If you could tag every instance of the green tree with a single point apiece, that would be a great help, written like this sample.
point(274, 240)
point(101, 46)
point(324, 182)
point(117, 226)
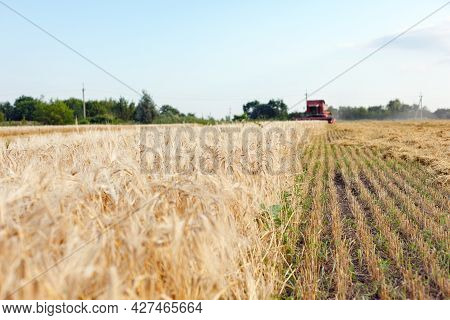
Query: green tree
point(24, 108)
point(146, 110)
point(54, 113)
point(167, 110)
point(395, 106)
point(123, 110)
point(102, 119)
point(2, 117)
point(76, 105)
point(169, 114)
point(274, 109)
point(109, 105)
point(96, 108)
point(132, 110)
point(249, 107)
point(280, 108)
point(7, 109)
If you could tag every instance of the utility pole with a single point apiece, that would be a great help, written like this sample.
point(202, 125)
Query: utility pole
point(421, 106)
point(229, 114)
point(84, 103)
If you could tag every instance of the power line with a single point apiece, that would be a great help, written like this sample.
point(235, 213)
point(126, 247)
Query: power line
point(293, 106)
point(421, 106)
point(371, 54)
point(70, 48)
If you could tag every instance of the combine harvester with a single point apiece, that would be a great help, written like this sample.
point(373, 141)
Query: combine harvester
point(316, 110)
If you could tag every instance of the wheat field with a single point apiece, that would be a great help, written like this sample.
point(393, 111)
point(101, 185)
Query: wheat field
point(123, 232)
point(276, 210)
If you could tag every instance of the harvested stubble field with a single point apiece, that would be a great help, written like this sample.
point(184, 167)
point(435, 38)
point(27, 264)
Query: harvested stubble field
point(294, 211)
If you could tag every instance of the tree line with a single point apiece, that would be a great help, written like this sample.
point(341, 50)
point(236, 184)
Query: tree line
point(26, 109)
point(395, 109)
point(272, 110)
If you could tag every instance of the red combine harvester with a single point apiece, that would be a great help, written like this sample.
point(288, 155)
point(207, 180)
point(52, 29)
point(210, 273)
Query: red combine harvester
point(317, 110)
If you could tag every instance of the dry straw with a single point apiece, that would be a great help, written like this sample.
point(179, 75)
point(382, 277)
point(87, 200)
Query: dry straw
point(184, 234)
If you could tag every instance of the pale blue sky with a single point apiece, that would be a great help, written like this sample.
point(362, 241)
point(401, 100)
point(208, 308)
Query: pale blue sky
point(209, 56)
